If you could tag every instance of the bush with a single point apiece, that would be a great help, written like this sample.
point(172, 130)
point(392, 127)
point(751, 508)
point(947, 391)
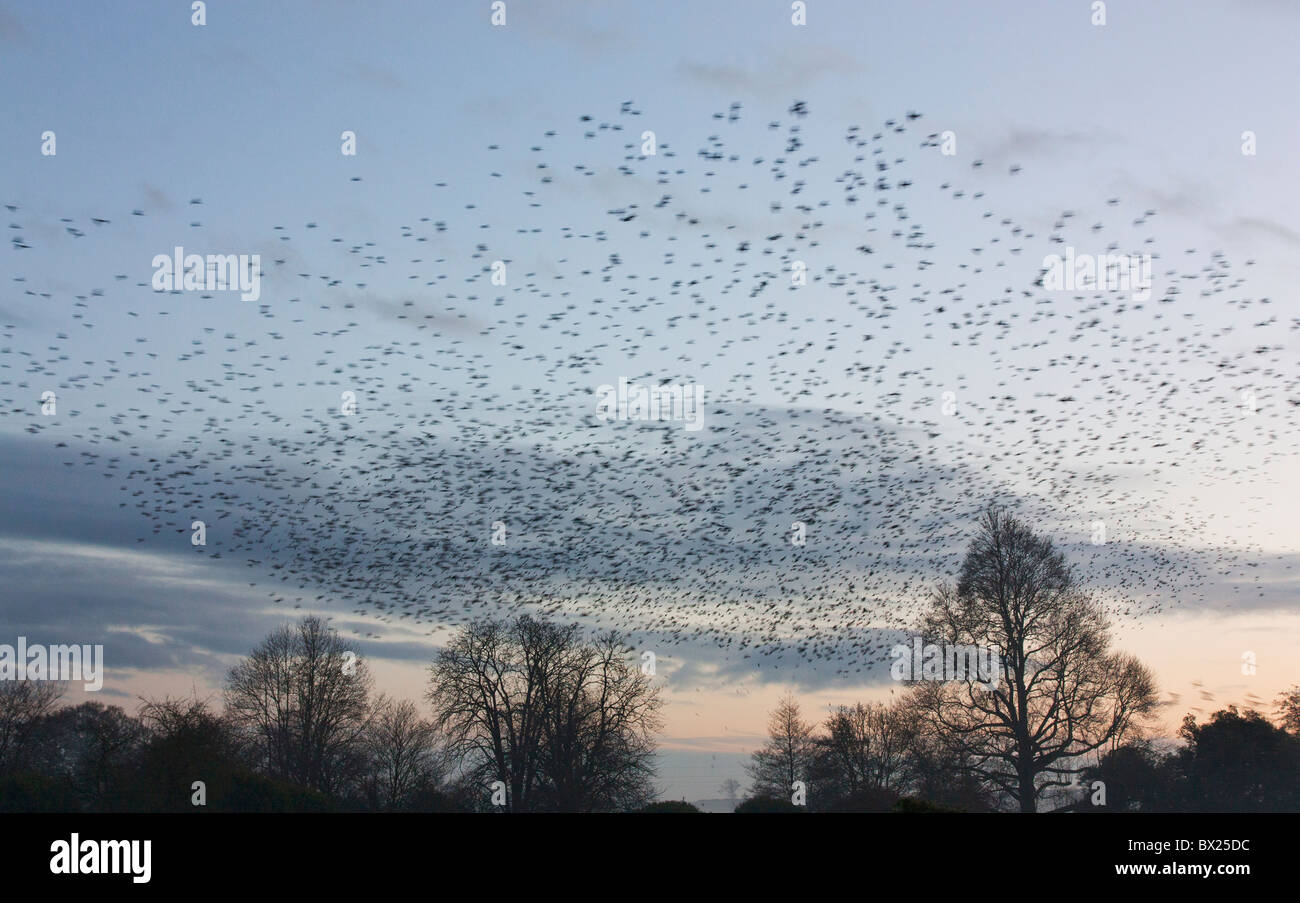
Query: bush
point(669, 806)
point(768, 804)
point(865, 800)
point(910, 804)
point(253, 792)
point(31, 792)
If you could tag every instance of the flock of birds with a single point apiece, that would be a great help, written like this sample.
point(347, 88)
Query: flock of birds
point(919, 372)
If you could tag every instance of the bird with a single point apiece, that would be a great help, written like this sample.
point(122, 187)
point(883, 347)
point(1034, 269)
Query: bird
point(828, 325)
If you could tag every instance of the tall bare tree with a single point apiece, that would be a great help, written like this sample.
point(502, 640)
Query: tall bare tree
point(485, 687)
point(560, 722)
point(303, 697)
point(788, 753)
point(1061, 694)
point(600, 718)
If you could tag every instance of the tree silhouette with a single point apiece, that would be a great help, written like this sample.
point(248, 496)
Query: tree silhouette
point(1061, 692)
point(600, 715)
point(562, 723)
point(185, 742)
point(406, 756)
point(1239, 762)
point(1288, 708)
point(788, 754)
point(23, 704)
point(302, 697)
point(865, 746)
point(91, 747)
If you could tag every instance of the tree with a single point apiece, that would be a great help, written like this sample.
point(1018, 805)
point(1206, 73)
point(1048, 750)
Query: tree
point(1061, 692)
point(186, 741)
point(561, 723)
point(1137, 777)
point(1288, 709)
point(23, 704)
point(865, 746)
point(788, 754)
point(91, 747)
point(600, 715)
point(485, 687)
point(302, 697)
point(731, 791)
point(405, 755)
point(1239, 762)
point(939, 772)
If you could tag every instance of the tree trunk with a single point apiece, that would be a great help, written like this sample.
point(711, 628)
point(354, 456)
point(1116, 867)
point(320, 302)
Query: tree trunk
point(1028, 801)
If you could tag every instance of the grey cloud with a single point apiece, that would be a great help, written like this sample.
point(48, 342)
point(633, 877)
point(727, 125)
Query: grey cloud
point(1266, 228)
point(780, 71)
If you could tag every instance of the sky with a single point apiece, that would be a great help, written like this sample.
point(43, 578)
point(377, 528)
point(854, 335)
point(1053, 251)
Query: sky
point(244, 115)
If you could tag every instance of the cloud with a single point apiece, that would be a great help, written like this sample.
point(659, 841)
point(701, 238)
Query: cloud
point(779, 72)
point(1265, 228)
point(1026, 144)
point(559, 21)
point(151, 611)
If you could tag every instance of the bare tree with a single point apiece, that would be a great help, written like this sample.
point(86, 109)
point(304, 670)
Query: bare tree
point(731, 791)
point(485, 687)
point(1061, 692)
point(405, 754)
point(788, 753)
point(937, 770)
point(559, 722)
point(23, 703)
point(600, 718)
point(303, 697)
point(866, 746)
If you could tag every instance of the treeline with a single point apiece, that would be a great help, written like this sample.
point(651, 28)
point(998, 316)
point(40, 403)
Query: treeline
point(1237, 761)
point(868, 757)
point(526, 716)
point(887, 757)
